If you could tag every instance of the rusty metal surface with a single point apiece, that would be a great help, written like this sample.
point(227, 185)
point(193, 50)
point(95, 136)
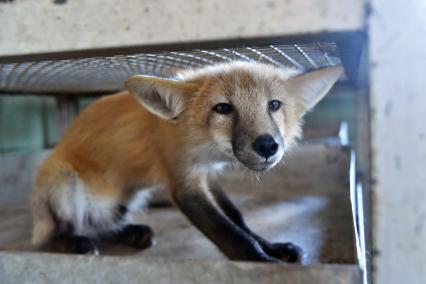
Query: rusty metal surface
point(106, 74)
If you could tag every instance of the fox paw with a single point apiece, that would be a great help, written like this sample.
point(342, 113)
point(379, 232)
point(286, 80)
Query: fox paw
point(75, 244)
point(137, 236)
point(286, 252)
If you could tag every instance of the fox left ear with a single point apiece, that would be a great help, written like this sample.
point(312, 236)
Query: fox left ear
point(165, 98)
point(311, 87)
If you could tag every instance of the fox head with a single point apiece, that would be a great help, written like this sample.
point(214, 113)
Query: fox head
point(250, 112)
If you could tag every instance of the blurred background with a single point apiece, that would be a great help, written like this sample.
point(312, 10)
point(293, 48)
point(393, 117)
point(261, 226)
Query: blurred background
point(40, 130)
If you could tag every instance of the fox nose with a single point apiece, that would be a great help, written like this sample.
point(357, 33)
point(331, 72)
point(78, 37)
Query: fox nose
point(265, 145)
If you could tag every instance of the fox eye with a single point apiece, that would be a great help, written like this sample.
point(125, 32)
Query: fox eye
point(223, 108)
point(274, 105)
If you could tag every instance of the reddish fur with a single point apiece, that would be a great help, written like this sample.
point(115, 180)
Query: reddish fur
point(113, 146)
point(117, 146)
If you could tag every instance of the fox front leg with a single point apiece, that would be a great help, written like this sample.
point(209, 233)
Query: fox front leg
point(284, 251)
point(234, 242)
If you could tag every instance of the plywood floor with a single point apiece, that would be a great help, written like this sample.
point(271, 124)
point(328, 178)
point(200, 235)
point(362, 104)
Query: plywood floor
point(306, 202)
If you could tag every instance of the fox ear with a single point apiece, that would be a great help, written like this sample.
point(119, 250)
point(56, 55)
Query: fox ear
point(311, 87)
point(165, 98)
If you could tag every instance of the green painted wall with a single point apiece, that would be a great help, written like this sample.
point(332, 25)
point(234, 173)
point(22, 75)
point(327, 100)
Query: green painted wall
point(21, 124)
point(339, 105)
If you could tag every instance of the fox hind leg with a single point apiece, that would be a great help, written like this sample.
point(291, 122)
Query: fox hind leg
point(67, 217)
point(44, 224)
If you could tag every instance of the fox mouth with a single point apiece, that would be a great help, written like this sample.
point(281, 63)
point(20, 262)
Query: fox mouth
point(261, 166)
point(257, 166)
point(252, 163)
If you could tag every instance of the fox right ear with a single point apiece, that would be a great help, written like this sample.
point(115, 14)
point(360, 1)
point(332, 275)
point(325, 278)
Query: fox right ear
point(311, 87)
point(165, 98)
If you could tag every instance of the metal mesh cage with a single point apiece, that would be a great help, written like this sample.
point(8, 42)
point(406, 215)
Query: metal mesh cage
point(107, 74)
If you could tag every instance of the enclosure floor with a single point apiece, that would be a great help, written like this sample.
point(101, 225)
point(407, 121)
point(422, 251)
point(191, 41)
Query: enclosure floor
point(306, 203)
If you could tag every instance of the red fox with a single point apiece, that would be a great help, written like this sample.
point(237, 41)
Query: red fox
point(172, 134)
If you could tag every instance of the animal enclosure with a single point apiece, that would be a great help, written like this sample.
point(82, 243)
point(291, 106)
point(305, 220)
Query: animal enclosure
point(320, 199)
point(306, 202)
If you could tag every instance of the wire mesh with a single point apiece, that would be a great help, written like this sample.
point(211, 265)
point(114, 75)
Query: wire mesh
point(107, 74)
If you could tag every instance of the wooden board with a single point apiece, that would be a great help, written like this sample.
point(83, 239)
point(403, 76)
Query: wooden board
point(306, 202)
point(41, 26)
point(398, 103)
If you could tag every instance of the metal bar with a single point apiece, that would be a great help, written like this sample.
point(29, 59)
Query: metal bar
point(186, 46)
point(350, 53)
point(310, 60)
point(262, 55)
point(295, 63)
point(67, 107)
point(45, 123)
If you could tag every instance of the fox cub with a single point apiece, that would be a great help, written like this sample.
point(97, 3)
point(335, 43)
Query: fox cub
point(172, 134)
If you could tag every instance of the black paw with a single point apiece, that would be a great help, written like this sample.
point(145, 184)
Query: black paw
point(137, 236)
point(287, 252)
point(76, 244)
